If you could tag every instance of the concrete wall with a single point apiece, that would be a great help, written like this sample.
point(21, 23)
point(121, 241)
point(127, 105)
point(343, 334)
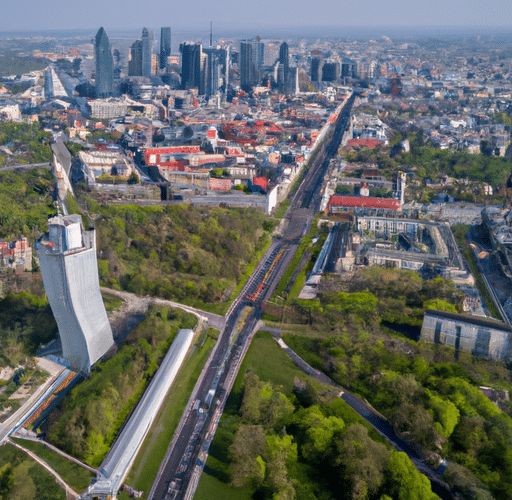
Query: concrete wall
point(480, 338)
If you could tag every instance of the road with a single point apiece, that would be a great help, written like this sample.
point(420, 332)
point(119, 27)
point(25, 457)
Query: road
point(27, 166)
point(182, 466)
point(134, 303)
point(179, 462)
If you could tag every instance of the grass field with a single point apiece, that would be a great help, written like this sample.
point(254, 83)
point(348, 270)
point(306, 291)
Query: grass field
point(147, 463)
point(75, 476)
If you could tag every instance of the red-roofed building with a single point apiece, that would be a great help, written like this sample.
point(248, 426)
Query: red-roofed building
point(16, 254)
point(262, 182)
point(369, 143)
point(341, 203)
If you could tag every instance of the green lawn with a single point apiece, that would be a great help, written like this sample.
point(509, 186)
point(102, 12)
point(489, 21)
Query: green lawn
point(269, 361)
point(147, 463)
point(26, 479)
point(75, 476)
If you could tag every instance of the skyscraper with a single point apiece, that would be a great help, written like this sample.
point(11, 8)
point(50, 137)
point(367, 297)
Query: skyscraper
point(104, 65)
point(248, 68)
point(251, 60)
point(259, 48)
point(316, 69)
point(284, 60)
point(191, 66)
point(165, 46)
point(147, 51)
point(214, 71)
point(135, 60)
point(70, 275)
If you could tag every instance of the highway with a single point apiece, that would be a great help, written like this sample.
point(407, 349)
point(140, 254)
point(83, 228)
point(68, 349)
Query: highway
point(178, 464)
point(180, 471)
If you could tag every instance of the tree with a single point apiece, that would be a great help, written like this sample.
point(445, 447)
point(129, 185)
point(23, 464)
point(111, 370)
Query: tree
point(262, 404)
point(246, 453)
point(361, 460)
point(6, 480)
point(462, 481)
point(486, 148)
point(319, 432)
point(133, 178)
point(404, 482)
point(279, 452)
point(415, 423)
point(447, 415)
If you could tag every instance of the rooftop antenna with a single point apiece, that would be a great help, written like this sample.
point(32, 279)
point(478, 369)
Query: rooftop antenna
point(211, 38)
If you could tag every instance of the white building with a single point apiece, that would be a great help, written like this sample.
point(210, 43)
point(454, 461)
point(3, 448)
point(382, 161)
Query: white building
point(70, 275)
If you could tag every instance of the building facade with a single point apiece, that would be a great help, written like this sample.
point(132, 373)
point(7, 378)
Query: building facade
point(165, 47)
point(191, 66)
point(135, 59)
point(250, 57)
point(70, 275)
point(147, 52)
point(104, 65)
point(284, 60)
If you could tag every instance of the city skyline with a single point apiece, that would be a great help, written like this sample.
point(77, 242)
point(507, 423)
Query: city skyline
point(458, 14)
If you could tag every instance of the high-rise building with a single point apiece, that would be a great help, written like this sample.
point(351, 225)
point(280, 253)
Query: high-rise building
point(191, 66)
point(217, 69)
point(227, 66)
point(284, 61)
point(147, 51)
point(104, 65)
point(316, 69)
point(70, 275)
point(331, 72)
point(259, 48)
point(348, 69)
point(248, 67)
point(135, 59)
point(165, 46)
point(251, 61)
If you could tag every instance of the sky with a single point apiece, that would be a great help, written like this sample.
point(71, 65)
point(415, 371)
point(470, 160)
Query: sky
point(242, 15)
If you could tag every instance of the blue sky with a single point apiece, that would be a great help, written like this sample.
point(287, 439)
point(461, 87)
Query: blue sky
point(254, 15)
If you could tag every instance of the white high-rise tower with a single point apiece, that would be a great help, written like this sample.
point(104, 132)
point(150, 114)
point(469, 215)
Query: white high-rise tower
point(70, 275)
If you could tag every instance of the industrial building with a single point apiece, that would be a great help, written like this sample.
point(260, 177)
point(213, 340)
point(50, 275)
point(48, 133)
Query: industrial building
point(70, 275)
point(479, 336)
